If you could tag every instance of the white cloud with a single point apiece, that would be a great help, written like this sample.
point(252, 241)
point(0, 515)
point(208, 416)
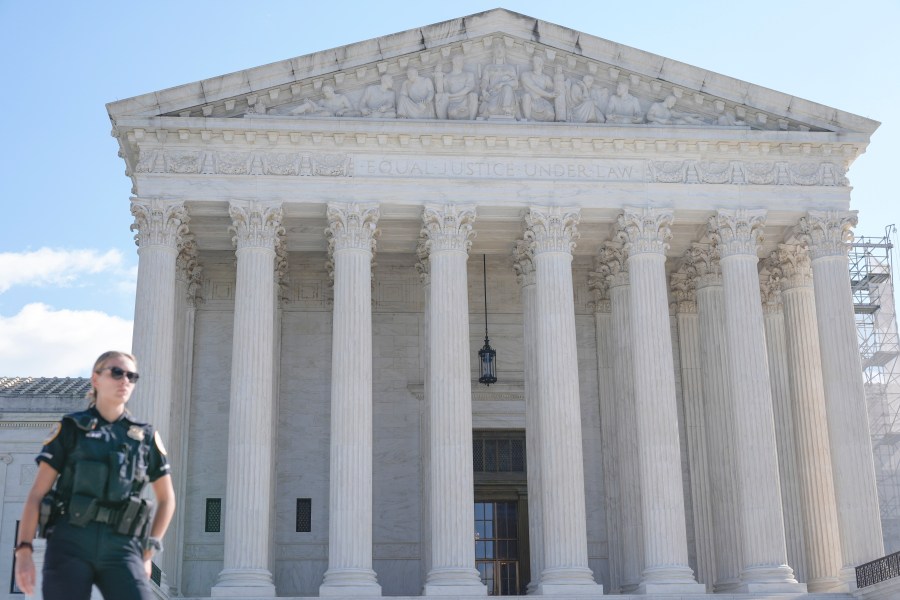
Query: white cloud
point(43, 342)
point(54, 267)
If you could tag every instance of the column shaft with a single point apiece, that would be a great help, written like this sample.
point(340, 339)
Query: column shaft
point(351, 229)
point(853, 462)
point(764, 552)
point(666, 568)
point(566, 571)
point(450, 393)
point(816, 486)
point(250, 436)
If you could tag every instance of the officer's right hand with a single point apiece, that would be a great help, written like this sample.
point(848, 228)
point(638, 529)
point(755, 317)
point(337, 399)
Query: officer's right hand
point(25, 571)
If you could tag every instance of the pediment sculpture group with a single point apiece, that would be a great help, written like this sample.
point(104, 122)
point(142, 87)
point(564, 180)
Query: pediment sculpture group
point(501, 93)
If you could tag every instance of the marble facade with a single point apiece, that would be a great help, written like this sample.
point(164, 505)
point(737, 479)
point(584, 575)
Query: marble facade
point(306, 301)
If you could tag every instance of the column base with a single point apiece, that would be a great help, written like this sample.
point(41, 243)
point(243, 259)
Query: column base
point(454, 582)
point(350, 582)
point(773, 580)
point(248, 583)
point(572, 581)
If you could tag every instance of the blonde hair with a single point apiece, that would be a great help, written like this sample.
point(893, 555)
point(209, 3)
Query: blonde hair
point(98, 366)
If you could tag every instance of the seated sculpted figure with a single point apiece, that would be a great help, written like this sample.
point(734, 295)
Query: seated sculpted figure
point(538, 93)
point(378, 100)
point(416, 97)
point(499, 82)
point(586, 101)
point(456, 96)
point(661, 113)
point(332, 104)
point(623, 107)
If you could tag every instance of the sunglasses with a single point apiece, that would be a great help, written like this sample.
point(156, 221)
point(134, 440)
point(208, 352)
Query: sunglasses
point(117, 373)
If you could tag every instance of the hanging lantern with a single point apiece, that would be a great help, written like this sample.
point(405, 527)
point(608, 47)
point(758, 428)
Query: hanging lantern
point(487, 355)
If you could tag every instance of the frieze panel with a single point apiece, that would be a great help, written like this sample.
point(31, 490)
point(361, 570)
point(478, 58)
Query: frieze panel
point(323, 164)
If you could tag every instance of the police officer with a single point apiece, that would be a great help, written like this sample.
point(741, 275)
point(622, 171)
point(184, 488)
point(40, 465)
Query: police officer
point(92, 470)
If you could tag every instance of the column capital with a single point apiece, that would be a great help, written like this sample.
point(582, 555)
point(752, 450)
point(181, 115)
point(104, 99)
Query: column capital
point(684, 289)
point(448, 227)
point(645, 230)
point(523, 264)
point(189, 269)
point(552, 228)
point(158, 222)
point(827, 233)
point(352, 226)
point(255, 224)
point(423, 268)
point(701, 262)
point(795, 265)
point(737, 231)
point(770, 286)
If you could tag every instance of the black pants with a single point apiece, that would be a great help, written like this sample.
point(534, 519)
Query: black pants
point(78, 557)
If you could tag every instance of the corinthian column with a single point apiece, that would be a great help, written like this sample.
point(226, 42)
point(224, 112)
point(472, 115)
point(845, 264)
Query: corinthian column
point(705, 268)
point(351, 232)
point(551, 232)
point(684, 291)
point(448, 229)
point(525, 274)
point(160, 227)
point(257, 228)
point(816, 484)
point(828, 235)
point(646, 233)
point(764, 552)
point(611, 263)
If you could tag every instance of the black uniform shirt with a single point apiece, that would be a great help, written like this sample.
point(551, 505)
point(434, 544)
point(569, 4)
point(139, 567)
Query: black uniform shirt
point(87, 435)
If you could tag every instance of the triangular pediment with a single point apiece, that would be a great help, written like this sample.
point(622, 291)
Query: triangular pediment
point(411, 75)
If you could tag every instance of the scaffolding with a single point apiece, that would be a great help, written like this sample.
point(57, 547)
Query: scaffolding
point(872, 286)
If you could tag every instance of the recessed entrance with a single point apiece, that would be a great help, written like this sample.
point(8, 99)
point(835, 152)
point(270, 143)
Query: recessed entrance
point(501, 512)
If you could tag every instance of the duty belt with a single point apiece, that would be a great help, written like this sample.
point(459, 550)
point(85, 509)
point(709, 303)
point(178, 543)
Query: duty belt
point(106, 514)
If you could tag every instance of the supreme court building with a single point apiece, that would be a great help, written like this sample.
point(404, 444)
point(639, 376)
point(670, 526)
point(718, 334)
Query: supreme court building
point(679, 404)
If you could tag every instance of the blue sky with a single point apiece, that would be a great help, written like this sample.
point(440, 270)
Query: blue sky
point(68, 262)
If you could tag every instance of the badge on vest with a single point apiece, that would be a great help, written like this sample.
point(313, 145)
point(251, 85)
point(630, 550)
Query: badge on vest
point(136, 433)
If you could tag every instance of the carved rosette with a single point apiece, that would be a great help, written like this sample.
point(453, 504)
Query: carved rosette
point(551, 229)
point(702, 262)
point(770, 277)
point(255, 225)
point(523, 265)
point(795, 265)
point(282, 279)
point(448, 227)
point(827, 233)
point(645, 230)
point(737, 231)
point(158, 222)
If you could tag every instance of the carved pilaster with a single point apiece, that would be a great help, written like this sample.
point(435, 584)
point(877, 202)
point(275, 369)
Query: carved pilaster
point(827, 233)
point(703, 261)
point(684, 291)
point(422, 266)
point(523, 263)
point(645, 229)
point(610, 271)
point(737, 231)
point(189, 270)
point(158, 222)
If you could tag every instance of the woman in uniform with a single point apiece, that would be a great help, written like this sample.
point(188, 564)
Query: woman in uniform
point(92, 470)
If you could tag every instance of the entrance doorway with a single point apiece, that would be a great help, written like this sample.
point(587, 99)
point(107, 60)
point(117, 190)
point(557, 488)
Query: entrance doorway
point(497, 547)
point(501, 512)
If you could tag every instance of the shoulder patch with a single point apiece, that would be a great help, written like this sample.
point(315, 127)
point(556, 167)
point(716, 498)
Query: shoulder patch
point(54, 431)
point(159, 445)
